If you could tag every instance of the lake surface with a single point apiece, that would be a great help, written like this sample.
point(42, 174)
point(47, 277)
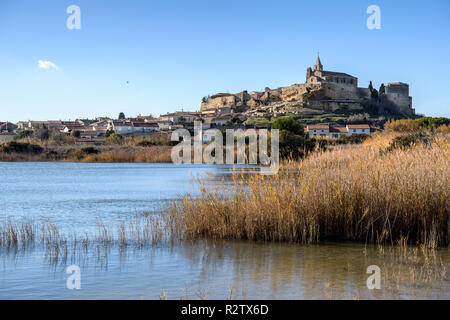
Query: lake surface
point(75, 196)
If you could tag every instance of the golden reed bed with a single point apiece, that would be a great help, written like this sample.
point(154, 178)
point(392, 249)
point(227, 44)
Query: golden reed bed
point(353, 192)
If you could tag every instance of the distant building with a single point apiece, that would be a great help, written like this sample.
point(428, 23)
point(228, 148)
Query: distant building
point(128, 127)
point(180, 117)
point(221, 121)
point(7, 127)
point(325, 130)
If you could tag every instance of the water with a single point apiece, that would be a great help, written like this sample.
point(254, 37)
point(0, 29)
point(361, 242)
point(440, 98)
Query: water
point(76, 195)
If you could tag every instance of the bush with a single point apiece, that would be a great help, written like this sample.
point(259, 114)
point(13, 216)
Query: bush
point(82, 153)
point(408, 125)
point(404, 125)
point(146, 143)
point(288, 124)
point(22, 134)
point(161, 141)
point(19, 147)
point(295, 146)
point(407, 141)
point(114, 138)
point(42, 134)
point(353, 139)
point(432, 123)
point(89, 150)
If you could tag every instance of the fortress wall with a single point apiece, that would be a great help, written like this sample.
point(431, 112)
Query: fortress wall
point(340, 91)
point(401, 89)
point(403, 103)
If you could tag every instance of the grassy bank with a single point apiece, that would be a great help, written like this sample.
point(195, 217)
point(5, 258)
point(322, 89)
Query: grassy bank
point(24, 151)
point(390, 189)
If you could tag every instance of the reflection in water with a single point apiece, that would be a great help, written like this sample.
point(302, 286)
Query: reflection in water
point(207, 269)
point(333, 270)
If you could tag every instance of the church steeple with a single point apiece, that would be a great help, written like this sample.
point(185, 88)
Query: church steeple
point(318, 66)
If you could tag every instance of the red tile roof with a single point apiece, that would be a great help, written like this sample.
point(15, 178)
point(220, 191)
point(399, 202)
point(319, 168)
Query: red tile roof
point(358, 126)
point(338, 130)
point(319, 127)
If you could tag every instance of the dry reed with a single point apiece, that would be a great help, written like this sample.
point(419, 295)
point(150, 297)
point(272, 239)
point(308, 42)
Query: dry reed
point(350, 193)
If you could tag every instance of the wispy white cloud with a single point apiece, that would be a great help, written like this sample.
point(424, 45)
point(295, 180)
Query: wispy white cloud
point(47, 65)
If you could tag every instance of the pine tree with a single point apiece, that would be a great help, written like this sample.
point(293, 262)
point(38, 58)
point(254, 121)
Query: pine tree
point(370, 86)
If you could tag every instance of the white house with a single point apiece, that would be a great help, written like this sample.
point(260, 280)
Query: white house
point(325, 130)
point(180, 117)
point(126, 127)
point(321, 130)
point(221, 121)
point(358, 129)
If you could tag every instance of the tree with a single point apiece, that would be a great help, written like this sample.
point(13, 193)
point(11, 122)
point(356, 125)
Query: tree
point(75, 133)
point(374, 95)
point(288, 124)
point(109, 132)
point(121, 116)
point(370, 86)
point(382, 89)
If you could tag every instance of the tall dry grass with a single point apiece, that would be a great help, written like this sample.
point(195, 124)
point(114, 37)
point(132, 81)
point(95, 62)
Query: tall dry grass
point(155, 154)
point(106, 154)
point(352, 193)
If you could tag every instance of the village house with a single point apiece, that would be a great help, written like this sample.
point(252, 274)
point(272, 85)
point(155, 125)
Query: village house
point(145, 127)
point(222, 120)
point(68, 128)
point(165, 125)
point(128, 127)
point(180, 117)
point(325, 130)
point(7, 127)
point(321, 130)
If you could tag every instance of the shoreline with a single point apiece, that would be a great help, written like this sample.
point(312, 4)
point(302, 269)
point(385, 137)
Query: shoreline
point(89, 154)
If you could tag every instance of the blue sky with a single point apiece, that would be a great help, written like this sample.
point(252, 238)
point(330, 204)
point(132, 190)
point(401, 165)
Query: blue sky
point(151, 57)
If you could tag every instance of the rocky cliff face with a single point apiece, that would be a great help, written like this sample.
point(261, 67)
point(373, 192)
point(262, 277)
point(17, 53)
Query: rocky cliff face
point(296, 96)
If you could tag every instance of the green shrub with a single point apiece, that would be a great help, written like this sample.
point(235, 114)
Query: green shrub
point(114, 138)
point(408, 140)
point(353, 139)
point(288, 123)
point(22, 134)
